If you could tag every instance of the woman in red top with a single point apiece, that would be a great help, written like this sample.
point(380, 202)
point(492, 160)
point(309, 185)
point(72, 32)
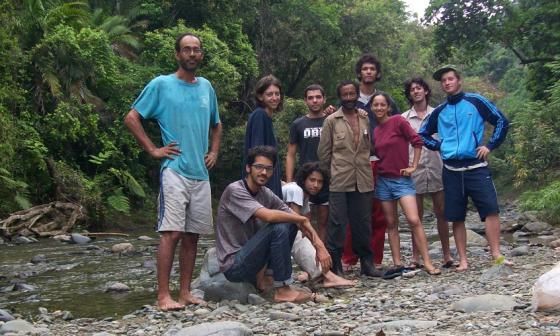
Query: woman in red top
point(392, 136)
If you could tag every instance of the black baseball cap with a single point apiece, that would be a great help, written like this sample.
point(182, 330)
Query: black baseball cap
point(446, 68)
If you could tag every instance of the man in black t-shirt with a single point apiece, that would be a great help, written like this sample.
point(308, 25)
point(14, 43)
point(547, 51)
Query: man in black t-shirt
point(305, 133)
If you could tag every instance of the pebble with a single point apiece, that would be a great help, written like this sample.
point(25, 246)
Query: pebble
point(279, 315)
point(40, 258)
point(80, 239)
point(520, 251)
point(122, 248)
point(118, 287)
point(420, 305)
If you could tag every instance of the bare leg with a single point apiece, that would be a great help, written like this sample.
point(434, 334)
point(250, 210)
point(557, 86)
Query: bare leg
point(187, 258)
point(460, 236)
point(442, 225)
point(390, 211)
point(322, 218)
point(493, 235)
point(166, 251)
point(420, 205)
point(408, 204)
point(264, 282)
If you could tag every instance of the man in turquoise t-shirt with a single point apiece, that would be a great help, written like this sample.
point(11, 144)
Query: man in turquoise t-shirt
point(185, 108)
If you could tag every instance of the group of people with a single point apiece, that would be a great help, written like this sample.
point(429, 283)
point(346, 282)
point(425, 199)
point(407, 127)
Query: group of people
point(357, 163)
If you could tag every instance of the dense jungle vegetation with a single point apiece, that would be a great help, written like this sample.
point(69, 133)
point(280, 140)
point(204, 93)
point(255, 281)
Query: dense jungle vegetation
point(71, 69)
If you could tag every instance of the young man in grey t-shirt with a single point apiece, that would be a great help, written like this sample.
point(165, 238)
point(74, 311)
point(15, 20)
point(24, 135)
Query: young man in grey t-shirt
point(255, 230)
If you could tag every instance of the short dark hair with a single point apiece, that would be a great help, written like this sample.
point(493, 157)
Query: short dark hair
point(387, 99)
point(263, 84)
point(313, 87)
point(308, 169)
point(420, 81)
point(368, 58)
point(180, 37)
point(268, 152)
point(347, 82)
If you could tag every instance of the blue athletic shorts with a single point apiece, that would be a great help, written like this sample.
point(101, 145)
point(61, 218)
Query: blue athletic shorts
point(460, 185)
point(393, 188)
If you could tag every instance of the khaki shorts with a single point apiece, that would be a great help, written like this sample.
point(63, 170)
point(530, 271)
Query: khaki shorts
point(184, 205)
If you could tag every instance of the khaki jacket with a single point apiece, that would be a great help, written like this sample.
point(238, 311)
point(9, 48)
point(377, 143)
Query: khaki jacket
point(350, 168)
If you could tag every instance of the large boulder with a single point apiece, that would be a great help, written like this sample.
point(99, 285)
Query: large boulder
point(215, 285)
point(5, 316)
point(224, 328)
point(486, 302)
point(17, 327)
point(537, 227)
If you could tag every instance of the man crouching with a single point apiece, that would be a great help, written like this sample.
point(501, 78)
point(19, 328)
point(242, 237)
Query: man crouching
point(255, 231)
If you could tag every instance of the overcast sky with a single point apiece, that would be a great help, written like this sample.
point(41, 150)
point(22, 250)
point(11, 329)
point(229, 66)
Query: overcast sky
point(417, 6)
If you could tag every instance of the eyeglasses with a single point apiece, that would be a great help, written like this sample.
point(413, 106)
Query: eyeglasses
point(260, 168)
point(189, 50)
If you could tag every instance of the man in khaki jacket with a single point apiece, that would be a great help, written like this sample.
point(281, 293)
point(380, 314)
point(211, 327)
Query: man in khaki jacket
point(344, 149)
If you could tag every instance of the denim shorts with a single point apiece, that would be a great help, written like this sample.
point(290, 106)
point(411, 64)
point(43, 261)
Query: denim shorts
point(476, 184)
point(393, 188)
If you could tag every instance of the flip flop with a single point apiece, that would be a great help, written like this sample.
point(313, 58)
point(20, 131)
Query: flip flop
point(433, 271)
point(449, 264)
point(415, 265)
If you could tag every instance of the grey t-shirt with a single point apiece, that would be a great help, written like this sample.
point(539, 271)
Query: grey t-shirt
point(235, 223)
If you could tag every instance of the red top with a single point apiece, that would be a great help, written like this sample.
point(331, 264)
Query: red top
point(391, 145)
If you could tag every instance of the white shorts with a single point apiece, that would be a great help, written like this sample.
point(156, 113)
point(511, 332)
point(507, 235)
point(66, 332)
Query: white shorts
point(184, 205)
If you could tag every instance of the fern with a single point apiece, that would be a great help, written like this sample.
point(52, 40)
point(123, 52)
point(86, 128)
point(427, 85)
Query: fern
point(17, 187)
point(119, 201)
point(130, 182)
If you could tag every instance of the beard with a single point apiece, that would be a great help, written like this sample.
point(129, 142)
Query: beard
point(349, 104)
point(185, 65)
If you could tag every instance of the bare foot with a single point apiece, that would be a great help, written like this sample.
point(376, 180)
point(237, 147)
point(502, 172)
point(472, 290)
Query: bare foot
point(302, 277)
point(290, 294)
point(167, 304)
point(331, 280)
point(501, 260)
point(191, 299)
point(463, 266)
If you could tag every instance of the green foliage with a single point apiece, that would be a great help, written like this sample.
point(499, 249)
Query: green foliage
point(16, 191)
point(71, 70)
point(536, 145)
point(160, 53)
point(118, 201)
point(545, 200)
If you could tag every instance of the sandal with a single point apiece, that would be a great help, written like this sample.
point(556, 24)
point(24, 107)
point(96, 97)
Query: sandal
point(433, 271)
point(415, 265)
point(449, 264)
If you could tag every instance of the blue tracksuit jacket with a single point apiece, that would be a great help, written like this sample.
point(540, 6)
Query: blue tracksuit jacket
point(459, 123)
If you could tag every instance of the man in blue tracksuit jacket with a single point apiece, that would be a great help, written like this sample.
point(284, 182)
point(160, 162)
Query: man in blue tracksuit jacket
point(459, 123)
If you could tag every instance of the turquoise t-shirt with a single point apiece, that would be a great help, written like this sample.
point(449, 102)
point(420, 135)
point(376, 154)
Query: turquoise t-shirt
point(185, 112)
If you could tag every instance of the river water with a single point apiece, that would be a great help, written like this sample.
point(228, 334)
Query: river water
point(74, 277)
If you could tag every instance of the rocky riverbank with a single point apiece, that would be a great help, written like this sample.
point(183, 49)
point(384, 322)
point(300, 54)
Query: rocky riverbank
point(485, 300)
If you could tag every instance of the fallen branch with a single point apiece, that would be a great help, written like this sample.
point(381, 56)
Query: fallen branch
point(43, 220)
